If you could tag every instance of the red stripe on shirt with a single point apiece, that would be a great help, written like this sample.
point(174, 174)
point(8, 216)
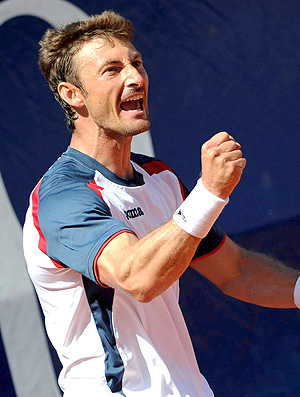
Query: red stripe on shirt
point(156, 167)
point(35, 213)
point(93, 185)
point(101, 250)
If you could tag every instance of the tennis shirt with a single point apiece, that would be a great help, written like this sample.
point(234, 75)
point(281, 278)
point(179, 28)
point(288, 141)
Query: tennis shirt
point(108, 343)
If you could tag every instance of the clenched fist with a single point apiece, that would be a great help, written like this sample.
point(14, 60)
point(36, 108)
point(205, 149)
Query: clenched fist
point(222, 164)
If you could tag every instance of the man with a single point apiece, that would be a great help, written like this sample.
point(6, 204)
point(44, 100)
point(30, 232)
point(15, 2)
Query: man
point(109, 233)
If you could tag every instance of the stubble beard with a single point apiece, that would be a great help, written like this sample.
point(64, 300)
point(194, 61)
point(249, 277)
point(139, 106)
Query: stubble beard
point(125, 130)
point(136, 131)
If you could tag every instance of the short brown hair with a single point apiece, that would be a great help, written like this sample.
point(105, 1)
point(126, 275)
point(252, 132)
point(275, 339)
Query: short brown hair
point(59, 45)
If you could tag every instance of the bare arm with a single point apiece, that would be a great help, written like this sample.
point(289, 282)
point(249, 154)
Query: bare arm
point(145, 268)
point(249, 276)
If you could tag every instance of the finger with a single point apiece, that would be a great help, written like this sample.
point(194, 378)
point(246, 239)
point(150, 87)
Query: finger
point(237, 164)
point(231, 155)
point(217, 139)
point(231, 139)
point(242, 162)
point(229, 146)
point(223, 150)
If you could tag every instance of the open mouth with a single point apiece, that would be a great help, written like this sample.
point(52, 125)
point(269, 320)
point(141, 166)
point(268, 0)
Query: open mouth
point(133, 103)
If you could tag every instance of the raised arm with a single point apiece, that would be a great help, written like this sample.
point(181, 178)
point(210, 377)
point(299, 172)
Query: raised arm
point(145, 268)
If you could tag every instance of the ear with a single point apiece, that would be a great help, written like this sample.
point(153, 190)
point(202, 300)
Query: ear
point(71, 94)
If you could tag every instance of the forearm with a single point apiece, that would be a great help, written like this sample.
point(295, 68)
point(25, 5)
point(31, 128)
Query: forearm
point(263, 281)
point(146, 267)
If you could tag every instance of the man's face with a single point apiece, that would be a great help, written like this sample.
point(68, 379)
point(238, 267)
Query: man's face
point(116, 86)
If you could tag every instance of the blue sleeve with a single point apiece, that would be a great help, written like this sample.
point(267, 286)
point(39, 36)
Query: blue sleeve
point(210, 243)
point(76, 222)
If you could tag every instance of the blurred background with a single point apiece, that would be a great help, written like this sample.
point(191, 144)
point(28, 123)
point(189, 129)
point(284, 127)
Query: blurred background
point(213, 65)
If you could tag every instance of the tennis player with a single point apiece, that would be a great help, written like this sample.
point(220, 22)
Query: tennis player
point(108, 233)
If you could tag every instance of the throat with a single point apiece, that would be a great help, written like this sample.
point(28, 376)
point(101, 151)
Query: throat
point(117, 159)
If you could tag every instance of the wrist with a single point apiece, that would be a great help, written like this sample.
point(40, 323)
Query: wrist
point(199, 211)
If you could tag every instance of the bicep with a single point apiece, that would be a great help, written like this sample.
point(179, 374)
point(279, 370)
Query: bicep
point(110, 261)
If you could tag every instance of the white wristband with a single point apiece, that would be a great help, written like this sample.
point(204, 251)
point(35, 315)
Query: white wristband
point(199, 211)
point(297, 293)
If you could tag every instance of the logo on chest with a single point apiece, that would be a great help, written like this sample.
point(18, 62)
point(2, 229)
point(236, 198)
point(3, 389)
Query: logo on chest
point(134, 213)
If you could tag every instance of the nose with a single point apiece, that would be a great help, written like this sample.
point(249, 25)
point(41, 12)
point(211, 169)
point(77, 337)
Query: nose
point(134, 77)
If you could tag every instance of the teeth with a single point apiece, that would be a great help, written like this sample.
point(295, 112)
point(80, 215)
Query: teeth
point(134, 98)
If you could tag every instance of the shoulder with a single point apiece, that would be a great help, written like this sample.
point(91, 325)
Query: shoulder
point(67, 169)
point(66, 187)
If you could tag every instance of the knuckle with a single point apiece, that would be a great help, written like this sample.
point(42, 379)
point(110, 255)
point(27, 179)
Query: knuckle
point(210, 151)
point(204, 147)
point(214, 152)
point(225, 133)
point(243, 163)
point(226, 157)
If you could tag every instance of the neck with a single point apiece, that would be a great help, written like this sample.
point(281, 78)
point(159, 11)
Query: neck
point(113, 153)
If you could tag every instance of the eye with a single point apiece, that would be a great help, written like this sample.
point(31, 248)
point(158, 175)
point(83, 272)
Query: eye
point(113, 69)
point(137, 63)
